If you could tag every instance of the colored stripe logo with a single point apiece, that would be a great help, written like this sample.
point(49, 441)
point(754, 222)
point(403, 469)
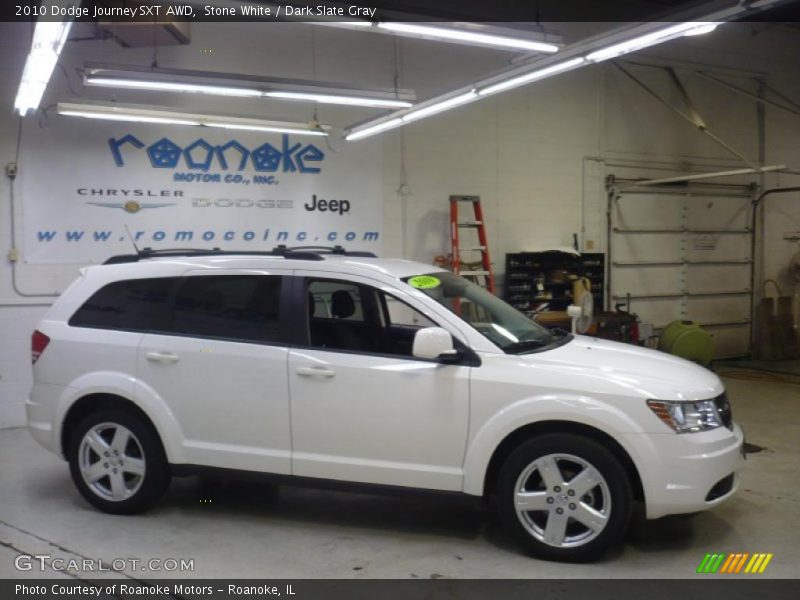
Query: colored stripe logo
point(734, 563)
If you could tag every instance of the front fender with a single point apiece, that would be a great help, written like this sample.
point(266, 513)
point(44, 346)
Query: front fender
point(576, 409)
point(126, 387)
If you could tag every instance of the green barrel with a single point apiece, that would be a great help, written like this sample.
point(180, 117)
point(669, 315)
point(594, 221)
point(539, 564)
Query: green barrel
point(687, 340)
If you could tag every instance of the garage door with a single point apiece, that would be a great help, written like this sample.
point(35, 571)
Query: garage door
point(685, 253)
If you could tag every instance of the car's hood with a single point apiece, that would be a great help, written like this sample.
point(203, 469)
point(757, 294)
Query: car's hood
point(592, 362)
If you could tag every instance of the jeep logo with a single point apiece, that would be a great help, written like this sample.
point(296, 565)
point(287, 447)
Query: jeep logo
point(321, 205)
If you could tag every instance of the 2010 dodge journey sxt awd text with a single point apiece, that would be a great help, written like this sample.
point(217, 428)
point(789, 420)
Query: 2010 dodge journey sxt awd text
point(342, 366)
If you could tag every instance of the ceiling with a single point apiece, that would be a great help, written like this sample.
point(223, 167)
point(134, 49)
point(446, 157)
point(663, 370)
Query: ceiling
point(304, 51)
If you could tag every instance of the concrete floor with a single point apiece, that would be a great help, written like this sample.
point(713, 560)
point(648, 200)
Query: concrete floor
point(257, 531)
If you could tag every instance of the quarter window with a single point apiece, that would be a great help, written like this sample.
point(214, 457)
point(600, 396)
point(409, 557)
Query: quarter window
point(132, 305)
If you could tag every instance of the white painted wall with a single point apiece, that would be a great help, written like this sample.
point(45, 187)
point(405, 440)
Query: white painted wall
point(18, 315)
point(531, 154)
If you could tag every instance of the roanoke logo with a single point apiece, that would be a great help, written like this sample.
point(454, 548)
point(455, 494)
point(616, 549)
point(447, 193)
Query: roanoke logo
point(201, 155)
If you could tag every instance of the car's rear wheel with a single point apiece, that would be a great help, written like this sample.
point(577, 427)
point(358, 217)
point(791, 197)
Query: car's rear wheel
point(117, 462)
point(564, 497)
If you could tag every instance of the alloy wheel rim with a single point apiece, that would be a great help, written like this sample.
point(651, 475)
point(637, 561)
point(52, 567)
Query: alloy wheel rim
point(111, 461)
point(562, 500)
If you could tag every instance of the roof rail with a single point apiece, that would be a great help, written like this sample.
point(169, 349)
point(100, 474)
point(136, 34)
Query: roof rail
point(323, 250)
point(295, 252)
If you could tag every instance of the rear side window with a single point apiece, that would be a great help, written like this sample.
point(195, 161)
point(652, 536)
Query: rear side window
point(236, 307)
point(132, 305)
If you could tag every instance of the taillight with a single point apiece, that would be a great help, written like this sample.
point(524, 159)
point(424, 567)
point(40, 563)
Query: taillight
point(39, 342)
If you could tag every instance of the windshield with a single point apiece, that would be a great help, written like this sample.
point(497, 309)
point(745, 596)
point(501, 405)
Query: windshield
point(502, 324)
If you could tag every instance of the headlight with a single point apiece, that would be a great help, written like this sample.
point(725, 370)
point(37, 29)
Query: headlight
point(687, 417)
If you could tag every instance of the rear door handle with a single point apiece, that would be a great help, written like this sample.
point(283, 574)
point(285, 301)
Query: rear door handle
point(165, 357)
point(315, 372)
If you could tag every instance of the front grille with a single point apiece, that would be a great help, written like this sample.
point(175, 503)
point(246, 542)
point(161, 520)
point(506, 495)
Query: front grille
point(722, 487)
point(724, 410)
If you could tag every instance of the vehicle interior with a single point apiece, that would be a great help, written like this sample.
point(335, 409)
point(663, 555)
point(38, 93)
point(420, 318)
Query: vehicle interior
point(358, 318)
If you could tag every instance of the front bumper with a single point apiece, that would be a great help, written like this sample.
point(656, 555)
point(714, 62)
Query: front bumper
point(690, 472)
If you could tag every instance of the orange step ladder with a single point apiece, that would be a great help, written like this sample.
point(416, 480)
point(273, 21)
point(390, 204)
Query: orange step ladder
point(480, 272)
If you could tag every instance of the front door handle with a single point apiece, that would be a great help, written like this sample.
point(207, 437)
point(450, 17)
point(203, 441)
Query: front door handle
point(166, 357)
point(315, 372)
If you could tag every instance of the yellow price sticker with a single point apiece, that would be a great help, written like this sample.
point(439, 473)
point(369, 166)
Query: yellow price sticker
point(424, 282)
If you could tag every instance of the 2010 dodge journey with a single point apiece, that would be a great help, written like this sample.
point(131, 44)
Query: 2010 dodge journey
point(342, 366)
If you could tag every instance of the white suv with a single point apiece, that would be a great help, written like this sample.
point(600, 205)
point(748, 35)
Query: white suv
point(311, 365)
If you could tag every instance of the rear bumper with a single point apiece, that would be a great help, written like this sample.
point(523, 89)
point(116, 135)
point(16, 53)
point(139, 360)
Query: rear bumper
point(691, 472)
point(40, 412)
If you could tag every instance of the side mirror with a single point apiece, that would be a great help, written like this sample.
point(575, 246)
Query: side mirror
point(434, 343)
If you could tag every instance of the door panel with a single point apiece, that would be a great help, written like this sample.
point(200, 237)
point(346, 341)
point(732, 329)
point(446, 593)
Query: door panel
point(378, 419)
point(363, 409)
point(230, 399)
point(220, 366)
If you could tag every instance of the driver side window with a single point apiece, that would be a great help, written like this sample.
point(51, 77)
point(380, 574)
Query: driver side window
point(398, 313)
point(357, 318)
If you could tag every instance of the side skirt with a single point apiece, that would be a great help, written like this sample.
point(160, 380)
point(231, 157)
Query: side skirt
point(185, 470)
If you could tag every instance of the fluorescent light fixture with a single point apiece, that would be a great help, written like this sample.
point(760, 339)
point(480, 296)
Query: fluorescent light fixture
point(220, 90)
point(581, 55)
point(168, 117)
point(432, 109)
point(413, 115)
point(701, 29)
point(171, 86)
point(89, 114)
point(373, 129)
point(469, 37)
point(348, 100)
point(300, 129)
point(49, 38)
point(651, 39)
point(223, 84)
point(532, 76)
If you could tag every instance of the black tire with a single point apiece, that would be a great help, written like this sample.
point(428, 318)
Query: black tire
point(612, 498)
point(140, 491)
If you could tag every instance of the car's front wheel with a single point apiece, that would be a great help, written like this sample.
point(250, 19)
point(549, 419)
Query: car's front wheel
point(564, 497)
point(117, 462)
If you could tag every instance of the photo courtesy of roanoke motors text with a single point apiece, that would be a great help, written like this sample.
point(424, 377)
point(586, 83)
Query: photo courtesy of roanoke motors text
point(399, 299)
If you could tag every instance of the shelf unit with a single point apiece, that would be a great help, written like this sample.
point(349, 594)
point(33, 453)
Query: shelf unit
point(535, 278)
